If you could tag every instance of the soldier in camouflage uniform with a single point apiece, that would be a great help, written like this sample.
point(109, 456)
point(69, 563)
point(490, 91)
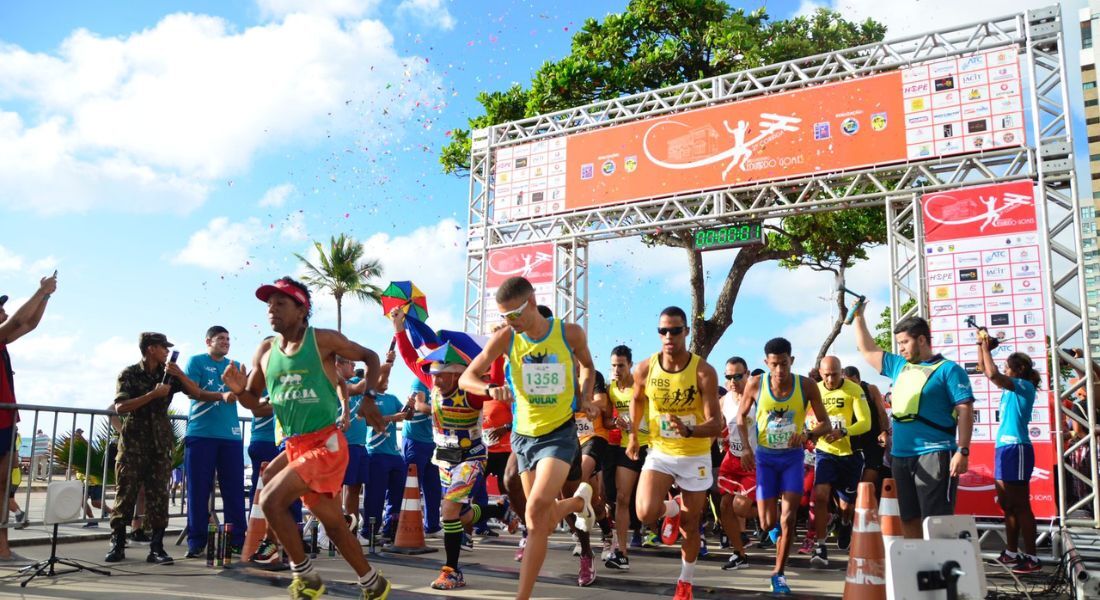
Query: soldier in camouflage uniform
point(146, 443)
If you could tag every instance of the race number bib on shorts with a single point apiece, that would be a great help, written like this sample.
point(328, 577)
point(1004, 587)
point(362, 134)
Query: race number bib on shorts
point(778, 434)
point(544, 379)
point(584, 427)
point(668, 430)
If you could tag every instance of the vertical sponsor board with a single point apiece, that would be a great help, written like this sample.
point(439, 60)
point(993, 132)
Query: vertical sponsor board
point(535, 263)
point(982, 259)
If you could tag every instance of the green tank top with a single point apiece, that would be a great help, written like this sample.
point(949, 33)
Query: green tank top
point(301, 394)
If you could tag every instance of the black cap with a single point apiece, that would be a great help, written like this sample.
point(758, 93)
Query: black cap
point(3, 299)
point(151, 338)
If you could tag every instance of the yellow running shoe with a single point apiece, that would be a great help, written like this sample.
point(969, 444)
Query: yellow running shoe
point(306, 588)
point(379, 590)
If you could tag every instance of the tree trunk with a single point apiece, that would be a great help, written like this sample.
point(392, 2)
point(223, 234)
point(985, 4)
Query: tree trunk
point(838, 324)
point(339, 312)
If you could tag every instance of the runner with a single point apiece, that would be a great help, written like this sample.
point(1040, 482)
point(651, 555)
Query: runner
point(734, 482)
point(872, 445)
point(357, 473)
point(460, 452)
point(592, 436)
point(621, 393)
point(298, 369)
point(781, 401)
point(679, 390)
point(540, 372)
point(837, 466)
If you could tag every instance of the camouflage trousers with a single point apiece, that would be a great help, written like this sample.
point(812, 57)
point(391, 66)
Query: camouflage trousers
point(142, 468)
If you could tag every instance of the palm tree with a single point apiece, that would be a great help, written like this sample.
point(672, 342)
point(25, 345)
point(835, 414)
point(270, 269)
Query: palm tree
point(343, 270)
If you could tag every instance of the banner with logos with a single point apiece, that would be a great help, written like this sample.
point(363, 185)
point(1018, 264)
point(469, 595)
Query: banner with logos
point(981, 254)
point(956, 105)
point(534, 262)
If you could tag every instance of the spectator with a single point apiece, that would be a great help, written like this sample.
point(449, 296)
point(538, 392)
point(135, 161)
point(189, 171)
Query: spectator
point(934, 403)
point(40, 455)
point(22, 322)
point(387, 469)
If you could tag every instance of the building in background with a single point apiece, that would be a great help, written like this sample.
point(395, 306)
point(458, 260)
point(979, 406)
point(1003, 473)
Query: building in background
point(1090, 211)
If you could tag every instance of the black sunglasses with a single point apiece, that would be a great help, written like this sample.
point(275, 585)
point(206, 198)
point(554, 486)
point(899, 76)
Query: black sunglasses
point(735, 377)
point(673, 330)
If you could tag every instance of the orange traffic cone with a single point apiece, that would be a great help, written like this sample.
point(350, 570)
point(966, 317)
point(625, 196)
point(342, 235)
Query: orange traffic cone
point(866, 576)
point(257, 523)
point(410, 525)
point(889, 514)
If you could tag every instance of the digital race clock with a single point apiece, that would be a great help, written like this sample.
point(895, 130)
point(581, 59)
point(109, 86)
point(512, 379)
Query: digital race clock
point(733, 235)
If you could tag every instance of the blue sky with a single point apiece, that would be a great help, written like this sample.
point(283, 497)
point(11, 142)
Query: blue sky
point(168, 157)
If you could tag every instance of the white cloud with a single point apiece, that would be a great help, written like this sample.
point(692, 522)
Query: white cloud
point(276, 196)
point(333, 8)
point(223, 245)
point(802, 291)
point(150, 121)
point(808, 7)
point(429, 12)
point(294, 230)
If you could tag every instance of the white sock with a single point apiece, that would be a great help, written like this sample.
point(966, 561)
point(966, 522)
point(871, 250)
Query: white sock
point(368, 578)
point(687, 571)
point(672, 508)
point(1010, 554)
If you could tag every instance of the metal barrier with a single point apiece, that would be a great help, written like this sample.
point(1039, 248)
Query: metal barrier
point(60, 424)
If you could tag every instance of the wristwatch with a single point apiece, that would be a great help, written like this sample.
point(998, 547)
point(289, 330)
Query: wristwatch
point(964, 451)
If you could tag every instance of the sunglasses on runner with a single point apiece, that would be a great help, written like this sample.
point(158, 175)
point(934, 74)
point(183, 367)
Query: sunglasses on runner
point(512, 315)
point(735, 377)
point(670, 330)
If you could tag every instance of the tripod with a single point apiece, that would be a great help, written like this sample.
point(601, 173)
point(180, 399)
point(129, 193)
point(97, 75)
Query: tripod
point(46, 567)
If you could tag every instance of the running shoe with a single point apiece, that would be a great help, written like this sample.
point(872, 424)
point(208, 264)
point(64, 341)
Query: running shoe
point(736, 561)
point(437, 534)
point(586, 516)
point(1026, 564)
point(467, 542)
point(617, 560)
point(266, 554)
point(703, 550)
point(820, 558)
point(379, 590)
point(510, 518)
point(683, 591)
point(91, 524)
point(587, 574)
point(448, 579)
point(636, 539)
point(486, 532)
point(779, 584)
point(139, 535)
point(577, 549)
point(651, 540)
point(607, 549)
point(306, 588)
point(808, 544)
point(774, 534)
point(1005, 559)
point(519, 550)
point(763, 541)
point(843, 535)
point(746, 540)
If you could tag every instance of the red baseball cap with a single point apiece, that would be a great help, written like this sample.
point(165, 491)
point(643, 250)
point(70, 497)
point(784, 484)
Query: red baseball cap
point(281, 286)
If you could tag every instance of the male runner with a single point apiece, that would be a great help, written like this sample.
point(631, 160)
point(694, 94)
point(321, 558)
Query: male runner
point(592, 436)
point(837, 466)
point(734, 482)
point(542, 355)
point(460, 452)
point(621, 394)
point(781, 402)
point(298, 369)
point(871, 445)
point(680, 391)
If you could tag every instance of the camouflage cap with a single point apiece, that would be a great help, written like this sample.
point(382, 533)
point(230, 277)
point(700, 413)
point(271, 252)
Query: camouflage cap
point(151, 338)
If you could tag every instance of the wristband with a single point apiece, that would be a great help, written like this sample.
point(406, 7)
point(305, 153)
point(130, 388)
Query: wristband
point(691, 431)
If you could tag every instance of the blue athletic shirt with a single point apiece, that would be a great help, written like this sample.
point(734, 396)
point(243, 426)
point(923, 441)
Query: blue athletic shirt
point(419, 427)
point(211, 419)
point(386, 443)
point(357, 427)
point(947, 387)
point(1016, 405)
point(263, 429)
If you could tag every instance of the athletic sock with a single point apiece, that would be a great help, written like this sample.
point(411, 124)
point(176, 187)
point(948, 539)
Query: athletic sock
point(672, 508)
point(452, 541)
point(476, 509)
point(304, 569)
point(369, 577)
point(605, 526)
point(1010, 554)
point(687, 571)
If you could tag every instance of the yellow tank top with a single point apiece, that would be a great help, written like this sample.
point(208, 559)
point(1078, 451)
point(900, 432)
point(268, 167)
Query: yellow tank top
point(675, 394)
point(778, 419)
point(622, 400)
point(540, 373)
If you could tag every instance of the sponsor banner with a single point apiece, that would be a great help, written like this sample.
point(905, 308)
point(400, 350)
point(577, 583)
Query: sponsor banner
point(534, 262)
point(952, 106)
point(981, 255)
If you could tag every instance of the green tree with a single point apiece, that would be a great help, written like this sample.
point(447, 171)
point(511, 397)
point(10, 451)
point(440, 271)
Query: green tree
point(884, 329)
point(342, 270)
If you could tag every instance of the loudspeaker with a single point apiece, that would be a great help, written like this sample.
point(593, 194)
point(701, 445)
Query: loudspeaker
point(64, 502)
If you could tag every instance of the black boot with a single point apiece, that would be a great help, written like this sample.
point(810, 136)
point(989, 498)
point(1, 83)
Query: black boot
point(156, 549)
point(118, 546)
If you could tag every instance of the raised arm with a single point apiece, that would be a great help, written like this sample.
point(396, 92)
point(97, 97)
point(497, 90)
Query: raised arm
point(405, 348)
point(865, 342)
point(28, 316)
point(637, 408)
point(989, 366)
point(471, 378)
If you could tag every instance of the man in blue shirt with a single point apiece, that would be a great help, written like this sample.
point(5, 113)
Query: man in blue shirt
point(387, 468)
point(357, 473)
point(213, 445)
point(932, 402)
point(419, 446)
